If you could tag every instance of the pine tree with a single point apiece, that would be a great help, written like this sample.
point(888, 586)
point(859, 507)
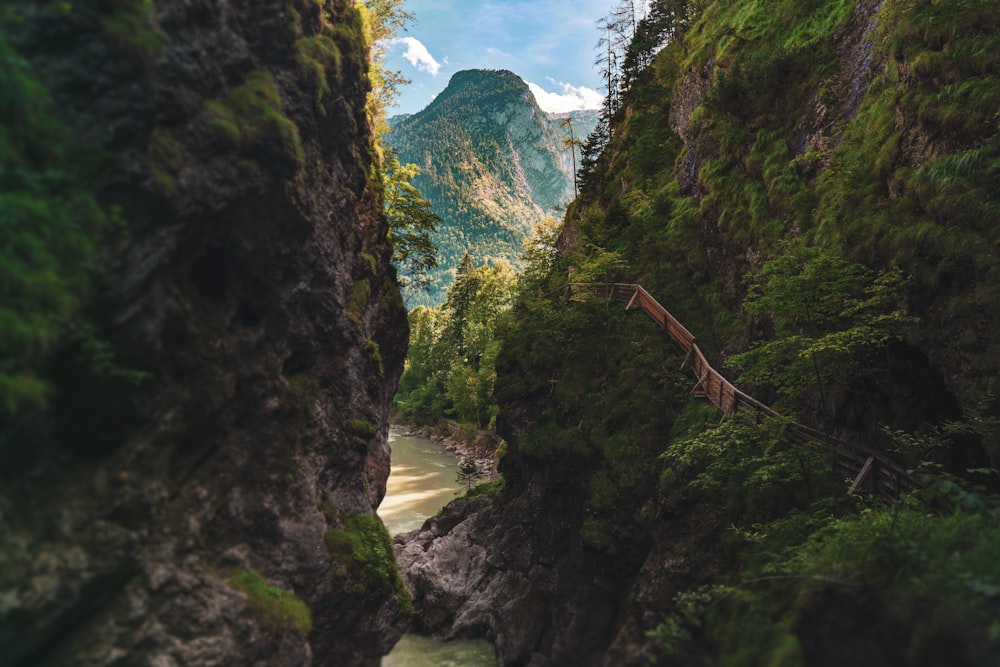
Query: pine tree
point(469, 472)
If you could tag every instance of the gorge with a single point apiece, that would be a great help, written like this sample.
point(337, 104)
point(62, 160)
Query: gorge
point(202, 333)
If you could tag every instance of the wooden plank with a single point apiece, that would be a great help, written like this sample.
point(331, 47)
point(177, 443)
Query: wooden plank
point(631, 302)
point(867, 468)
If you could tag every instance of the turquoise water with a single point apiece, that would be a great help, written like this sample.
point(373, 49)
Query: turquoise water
point(418, 651)
point(422, 481)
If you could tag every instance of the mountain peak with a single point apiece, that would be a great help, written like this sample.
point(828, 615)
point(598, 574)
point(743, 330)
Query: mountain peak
point(473, 89)
point(492, 166)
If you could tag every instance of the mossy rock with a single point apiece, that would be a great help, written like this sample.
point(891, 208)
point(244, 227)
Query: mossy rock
point(251, 120)
point(357, 302)
point(319, 61)
point(362, 553)
point(362, 428)
point(277, 609)
point(129, 32)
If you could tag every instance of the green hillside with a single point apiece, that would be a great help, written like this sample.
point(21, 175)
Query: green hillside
point(492, 165)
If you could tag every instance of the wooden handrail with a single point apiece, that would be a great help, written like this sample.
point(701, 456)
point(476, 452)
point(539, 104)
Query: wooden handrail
point(870, 470)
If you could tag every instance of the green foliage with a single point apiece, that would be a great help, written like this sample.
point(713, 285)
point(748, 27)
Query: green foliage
point(601, 393)
point(251, 120)
point(468, 473)
point(381, 21)
point(755, 467)
point(826, 313)
point(361, 550)
point(889, 212)
point(450, 366)
point(51, 223)
point(411, 222)
point(278, 610)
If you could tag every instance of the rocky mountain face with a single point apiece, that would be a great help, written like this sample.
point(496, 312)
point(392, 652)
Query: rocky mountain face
point(214, 505)
point(493, 165)
point(632, 528)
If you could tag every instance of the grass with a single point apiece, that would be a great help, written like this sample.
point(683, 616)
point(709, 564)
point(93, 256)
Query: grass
point(277, 609)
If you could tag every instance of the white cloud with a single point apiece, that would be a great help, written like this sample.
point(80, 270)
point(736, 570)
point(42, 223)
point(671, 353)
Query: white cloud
point(571, 98)
point(418, 55)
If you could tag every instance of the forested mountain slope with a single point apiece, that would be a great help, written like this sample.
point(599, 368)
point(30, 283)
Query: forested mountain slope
point(492, 166)
point(812, 189)
point(200, 335)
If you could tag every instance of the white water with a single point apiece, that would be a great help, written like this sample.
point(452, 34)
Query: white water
point(422, 481)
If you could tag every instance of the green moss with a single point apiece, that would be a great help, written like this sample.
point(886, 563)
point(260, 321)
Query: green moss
point(129, 32)
point(598, 533)
point(372, 262)
point(306, 389)
point(349, 33)
point(319, 62)
point(362, 553)
point(167, 159)
point(357, 302)
point(277, 609)
point(248, 168)
point(250, 118)
point(295, 19)
point(362, 428)
point(375, 354)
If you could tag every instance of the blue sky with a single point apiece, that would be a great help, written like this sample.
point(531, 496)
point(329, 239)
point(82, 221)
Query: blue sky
point(548, 43)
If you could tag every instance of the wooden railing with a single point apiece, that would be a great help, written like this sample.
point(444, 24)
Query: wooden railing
point(871, 470)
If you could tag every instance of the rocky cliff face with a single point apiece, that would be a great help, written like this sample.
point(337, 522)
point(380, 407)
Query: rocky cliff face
point(187, 519)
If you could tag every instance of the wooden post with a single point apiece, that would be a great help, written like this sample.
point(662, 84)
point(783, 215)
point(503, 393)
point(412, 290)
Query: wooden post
point(859, 480)
point(635, 296)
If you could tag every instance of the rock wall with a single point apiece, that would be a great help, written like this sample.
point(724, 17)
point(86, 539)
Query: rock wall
point(251, 286)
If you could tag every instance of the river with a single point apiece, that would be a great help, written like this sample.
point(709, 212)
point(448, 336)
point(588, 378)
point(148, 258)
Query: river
point(422, 481)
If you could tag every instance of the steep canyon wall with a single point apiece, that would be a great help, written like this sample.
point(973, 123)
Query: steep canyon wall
point(210, 506)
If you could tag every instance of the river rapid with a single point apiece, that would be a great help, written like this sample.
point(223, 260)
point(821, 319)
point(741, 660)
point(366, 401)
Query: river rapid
point(422, 481)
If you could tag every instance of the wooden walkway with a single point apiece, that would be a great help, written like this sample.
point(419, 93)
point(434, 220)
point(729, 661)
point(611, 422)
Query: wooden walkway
point(871, 471)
